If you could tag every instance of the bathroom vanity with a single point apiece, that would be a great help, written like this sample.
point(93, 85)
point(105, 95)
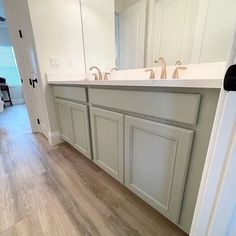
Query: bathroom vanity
point(152, 137)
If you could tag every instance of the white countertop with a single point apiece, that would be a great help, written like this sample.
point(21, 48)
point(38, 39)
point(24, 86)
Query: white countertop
point(207, 75)
point(187, 83)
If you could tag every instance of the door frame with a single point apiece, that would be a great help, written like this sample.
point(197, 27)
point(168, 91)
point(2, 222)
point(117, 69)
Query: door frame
point(220, 155)
point(142, 5)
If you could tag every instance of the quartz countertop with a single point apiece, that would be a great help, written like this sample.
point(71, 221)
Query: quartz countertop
point(188, 83)
point(206, 75)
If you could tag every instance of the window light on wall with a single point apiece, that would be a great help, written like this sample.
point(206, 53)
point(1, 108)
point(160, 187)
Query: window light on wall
point(8, 67)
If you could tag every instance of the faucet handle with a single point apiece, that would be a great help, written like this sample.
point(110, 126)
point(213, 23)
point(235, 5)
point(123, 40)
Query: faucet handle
point(178, 63)
point(176, 71)
point(106, 75)
point(152, 74)
point(114, 69)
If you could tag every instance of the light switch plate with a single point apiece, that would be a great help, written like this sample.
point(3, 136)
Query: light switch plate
point(69, 63)
point(52, 62)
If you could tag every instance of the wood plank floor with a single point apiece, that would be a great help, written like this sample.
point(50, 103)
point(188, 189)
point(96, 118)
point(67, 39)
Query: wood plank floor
point(56, 191)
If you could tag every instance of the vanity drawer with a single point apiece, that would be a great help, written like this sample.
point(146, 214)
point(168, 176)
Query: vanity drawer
point(70, 93)
point(178, 107)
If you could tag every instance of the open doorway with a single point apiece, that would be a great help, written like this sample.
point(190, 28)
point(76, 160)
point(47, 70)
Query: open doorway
point(14, 115)
point(130, 24)
point(22, 39)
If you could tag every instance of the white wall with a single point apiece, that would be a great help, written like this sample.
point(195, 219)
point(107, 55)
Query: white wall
point(57, 32)
point(58, 38)
point(128, 3)
point(15, 91)
point(123, 4)
point(99, 33)
point(119, 5)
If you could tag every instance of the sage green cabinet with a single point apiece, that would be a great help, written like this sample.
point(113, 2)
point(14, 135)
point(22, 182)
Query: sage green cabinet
point(64, 120)
point(107, 141)
point(74, 125)
point(151, 158)
point(156, 163)
point(80, 126)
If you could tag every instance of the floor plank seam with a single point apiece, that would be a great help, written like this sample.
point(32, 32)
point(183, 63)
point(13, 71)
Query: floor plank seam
point(55, 190)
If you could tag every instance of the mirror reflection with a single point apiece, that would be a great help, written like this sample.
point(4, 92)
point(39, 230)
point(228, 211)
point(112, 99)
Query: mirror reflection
point(190, 31)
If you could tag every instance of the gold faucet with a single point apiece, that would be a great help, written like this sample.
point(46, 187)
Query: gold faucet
point(98, 75)
point(176, 71)
point(163, 65)
point(152, 74)
point(106, 75)
point(114, 69)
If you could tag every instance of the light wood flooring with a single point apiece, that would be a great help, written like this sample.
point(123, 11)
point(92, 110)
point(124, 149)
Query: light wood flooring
point(56, 191)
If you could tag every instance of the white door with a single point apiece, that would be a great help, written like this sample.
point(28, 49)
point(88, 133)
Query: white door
point(22, 39)
point(215, 208)
point(172, 25)
point(132, 36)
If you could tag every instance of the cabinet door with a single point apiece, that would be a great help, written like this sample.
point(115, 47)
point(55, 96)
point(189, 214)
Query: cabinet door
point(64, 119)
point(107, 140)
point(80, 127)
point(156, 163)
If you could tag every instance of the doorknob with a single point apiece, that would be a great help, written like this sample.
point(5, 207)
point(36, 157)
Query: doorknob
point(230, 79)
point(34, 81)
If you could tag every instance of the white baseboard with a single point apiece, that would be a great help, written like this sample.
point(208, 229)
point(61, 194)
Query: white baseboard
point(44, 130)
point(54, 138)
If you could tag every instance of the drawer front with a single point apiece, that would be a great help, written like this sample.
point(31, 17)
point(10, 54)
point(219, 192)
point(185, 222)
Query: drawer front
point(70, 93)
point(178, 107)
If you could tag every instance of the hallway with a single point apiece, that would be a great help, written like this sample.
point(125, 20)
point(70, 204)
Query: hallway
point(56, 191)
point(14, 122)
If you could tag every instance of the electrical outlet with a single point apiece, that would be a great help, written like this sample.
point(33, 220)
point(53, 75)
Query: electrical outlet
point(57, 62)
point(52, 62)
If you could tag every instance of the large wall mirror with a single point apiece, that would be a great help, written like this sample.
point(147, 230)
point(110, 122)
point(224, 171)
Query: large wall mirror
point(130, 34)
